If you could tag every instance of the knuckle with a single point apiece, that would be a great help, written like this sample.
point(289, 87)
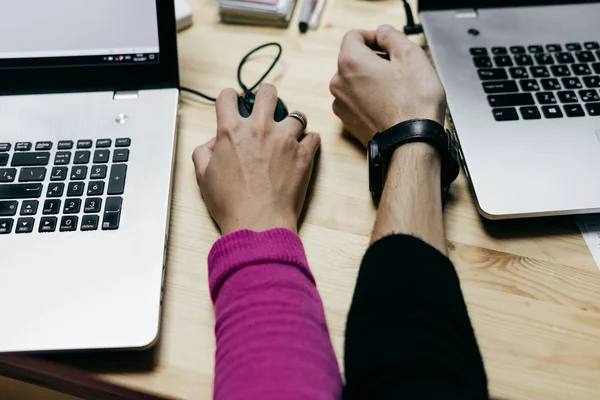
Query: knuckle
point(347, 62)
point(229, 127)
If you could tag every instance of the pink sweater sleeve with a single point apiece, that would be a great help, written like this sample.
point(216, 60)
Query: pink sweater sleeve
point(272, 337)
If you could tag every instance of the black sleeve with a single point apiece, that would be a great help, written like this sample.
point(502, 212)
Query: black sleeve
point(409, 335)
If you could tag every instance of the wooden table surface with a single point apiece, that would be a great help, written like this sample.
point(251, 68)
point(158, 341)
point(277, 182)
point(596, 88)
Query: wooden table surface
point(532, 287)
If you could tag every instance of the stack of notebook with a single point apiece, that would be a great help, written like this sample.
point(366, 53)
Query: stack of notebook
point(257, 12)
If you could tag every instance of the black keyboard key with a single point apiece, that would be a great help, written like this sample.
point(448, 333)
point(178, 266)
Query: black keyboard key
point(121, 155)
point(490, 74)
point(123, 142)
point(550, 84)
point(591, 81)
point(544, 59)
point(505, 114)
point(98, 172)
point(510, 100)
point(6, 225)
point(72, 206)
point(568, 96)
point(500, 87)
point(103, 143)
point(581, 69)
point(7, 175)
point(24, 225)
point(503, 61)
point(8, 208)
point(62, 158)
point(546, 98)
point(55, 190)
point(78, 173)
point(75, 189)
point(553, 48)
point(573, 46)
point(564, 58)
point(517, 49)
point(65, 145)
point(3, 159)
point(524, 59)
point(84, 144)
point(21, 191)
point(47, 224)
point(59, 174)
point(540, 72)
point(499, 51)
point(528, 85)
point(574, 110)
point(69, 223)
point(30, 159)
point(585, 56)
point(552, 112)
point(95, 188)
point(593, 110)
point(530, 113)
point(112, 213)
point(5, 147)
point(102, 156)
point(23, 146)
point(482, 62)
point(572, 83)
point(596, 66)
point(519, 73)
point(82, 157)
point(591, 45)
point(535, 49)
point(89, 222)
point(476, 51)
point(29, 207)
point(118, 175)
point(560, 70)
point(589, 95)
point(51, 207)
point(34, 174)
point(42, 146)
point(92, 205)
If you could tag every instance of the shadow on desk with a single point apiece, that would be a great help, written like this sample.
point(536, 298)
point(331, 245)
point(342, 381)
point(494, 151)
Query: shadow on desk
point(530, 227)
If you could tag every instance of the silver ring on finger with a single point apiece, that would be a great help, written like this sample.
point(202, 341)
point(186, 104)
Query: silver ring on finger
point(300, 118)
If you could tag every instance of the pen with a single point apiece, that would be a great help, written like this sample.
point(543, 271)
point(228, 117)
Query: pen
point(306, 15)
point(316, 15)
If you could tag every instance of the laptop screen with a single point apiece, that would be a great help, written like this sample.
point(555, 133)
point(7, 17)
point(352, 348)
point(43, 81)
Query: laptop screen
point(61, 33)
point(425, 5)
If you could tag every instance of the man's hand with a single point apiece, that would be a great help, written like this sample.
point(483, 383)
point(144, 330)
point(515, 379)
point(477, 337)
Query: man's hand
point(255, 173)
point(373, 94)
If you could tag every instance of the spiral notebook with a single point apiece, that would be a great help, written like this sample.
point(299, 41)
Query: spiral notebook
point(277, 13)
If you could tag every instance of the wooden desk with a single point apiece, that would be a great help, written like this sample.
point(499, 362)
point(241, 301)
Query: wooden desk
point(532, 287)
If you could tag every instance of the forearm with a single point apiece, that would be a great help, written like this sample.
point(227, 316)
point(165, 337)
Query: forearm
point(272, 337)
point(412, 199)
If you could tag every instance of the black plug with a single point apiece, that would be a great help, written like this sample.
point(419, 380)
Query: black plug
point(411, 28)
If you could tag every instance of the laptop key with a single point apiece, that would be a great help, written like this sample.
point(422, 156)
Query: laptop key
point(101, 156)
point(95, 188)
point(123, 142)
point(82, 157)
point(524, 59)
point(499, 51)
point(8, 208)
point(5, 147)
point(573, 46)
point(29, 207)
point(511, 100)
point(92, 205)
point(35, 174)
point(23, 146)
point(55, 190)
point(574, 110)
point(505, 114)
point(6, 225)
point(482, 62)
point(596, 66)
point(30, 159)
point(62, 158)
point(65, 145)
point(78, 173)
point(591, 45)
point(568, 96)
point(21, 191)
point(75, 189)
point(7, 175)
point(544, 59)
point(530, 113)
point(551, 84)
point(518, 73)
point(560, 70)
point(121, 155)
point(553, 48)
point(529, 85)
point(503, 61)
point(585, 56)
point(540, 72)
point(84, 144)
point(564, 58)
point(517, 49)
point(41, 146)
point(589, 95)
point(478, 51)
point(118, 175)
point(546, 98)
point(98, 172)
point(47, 224)
point(3, 159)
point(69, 223)
point(103, 143)
point(500, 87)
point(24, 225)
point(593, 109)
point(535, 49)
point(552, 112)
point(581, 69)
point(72, 206)
point(591, 81)
point(112, 213)
point(490, 74)
point(59, 174)
point(51, 207)
point(89, 222)
point(572, 83)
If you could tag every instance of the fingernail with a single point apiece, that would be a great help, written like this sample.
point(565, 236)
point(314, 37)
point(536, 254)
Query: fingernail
point(385, 27)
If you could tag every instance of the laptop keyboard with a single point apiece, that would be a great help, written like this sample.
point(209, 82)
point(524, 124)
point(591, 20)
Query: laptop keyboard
point(77, 187)
point(535, 82)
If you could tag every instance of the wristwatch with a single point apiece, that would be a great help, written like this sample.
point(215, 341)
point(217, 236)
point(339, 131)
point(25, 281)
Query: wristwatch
point(384, 144)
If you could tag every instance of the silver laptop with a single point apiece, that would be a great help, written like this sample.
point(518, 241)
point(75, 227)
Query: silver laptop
point(522, 79)
point(88, 106)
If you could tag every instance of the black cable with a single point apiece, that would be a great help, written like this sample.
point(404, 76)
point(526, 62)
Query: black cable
point(411, 28)
point(245, 89)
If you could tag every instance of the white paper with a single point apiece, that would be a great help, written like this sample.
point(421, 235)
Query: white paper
point(589, 225)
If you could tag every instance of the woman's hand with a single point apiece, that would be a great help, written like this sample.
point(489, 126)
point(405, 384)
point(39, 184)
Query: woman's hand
point(255, 173)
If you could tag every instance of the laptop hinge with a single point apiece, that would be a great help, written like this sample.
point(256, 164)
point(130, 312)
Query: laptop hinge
point(133, 95)
point(466, 13)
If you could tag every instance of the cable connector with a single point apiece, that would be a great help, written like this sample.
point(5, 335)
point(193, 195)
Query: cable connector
point(411, 28)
